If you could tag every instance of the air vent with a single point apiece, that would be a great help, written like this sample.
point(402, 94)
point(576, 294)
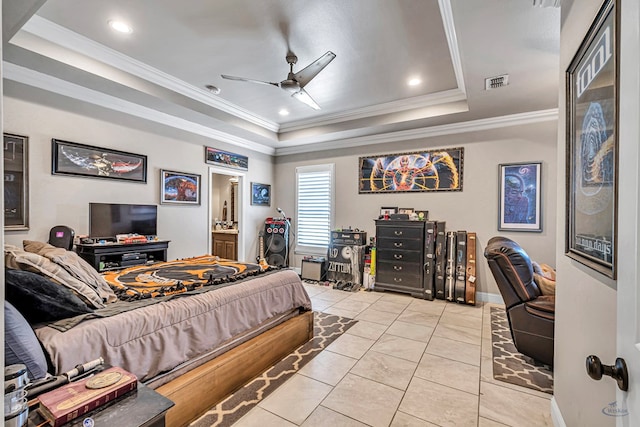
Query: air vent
point(496, 82)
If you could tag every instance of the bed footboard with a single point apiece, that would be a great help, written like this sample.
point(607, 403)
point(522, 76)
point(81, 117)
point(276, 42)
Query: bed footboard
point(201, 388)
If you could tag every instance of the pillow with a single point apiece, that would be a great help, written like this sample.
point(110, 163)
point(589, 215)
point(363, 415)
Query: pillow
point(74, 265)
point(39, 299)
point(21, 344)
point(545, 277)
point(22, 260)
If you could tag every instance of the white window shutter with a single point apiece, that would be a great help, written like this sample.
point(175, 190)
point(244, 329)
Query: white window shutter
point(314, 208)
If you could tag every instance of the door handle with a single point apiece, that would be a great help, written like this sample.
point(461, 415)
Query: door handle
point(618, 372)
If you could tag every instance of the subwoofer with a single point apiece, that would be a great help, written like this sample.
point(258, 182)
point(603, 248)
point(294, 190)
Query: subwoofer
point(276, 242)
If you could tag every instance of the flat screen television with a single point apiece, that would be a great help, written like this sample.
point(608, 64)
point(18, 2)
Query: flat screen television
point(106, 220)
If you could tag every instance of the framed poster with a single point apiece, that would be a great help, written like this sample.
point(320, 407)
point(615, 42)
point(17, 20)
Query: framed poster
point(214, 156)
point(592, 145)
point(260, 194)
point(70, 158)
point(16, 182)
point(433, 170)
point(179, 188)
point(519, 197)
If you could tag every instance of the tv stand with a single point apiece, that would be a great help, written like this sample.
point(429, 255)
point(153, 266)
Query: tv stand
point(113, 256)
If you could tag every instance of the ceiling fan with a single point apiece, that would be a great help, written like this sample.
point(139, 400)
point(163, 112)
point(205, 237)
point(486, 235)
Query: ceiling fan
point(295, 82)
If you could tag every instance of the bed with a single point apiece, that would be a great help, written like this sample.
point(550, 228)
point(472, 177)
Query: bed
point(215, 323)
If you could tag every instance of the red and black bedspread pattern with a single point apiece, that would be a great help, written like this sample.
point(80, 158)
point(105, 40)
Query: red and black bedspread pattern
point(175, 277)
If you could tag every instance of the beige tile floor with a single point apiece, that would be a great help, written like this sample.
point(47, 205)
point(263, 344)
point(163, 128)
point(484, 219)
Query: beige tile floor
point(407, 362)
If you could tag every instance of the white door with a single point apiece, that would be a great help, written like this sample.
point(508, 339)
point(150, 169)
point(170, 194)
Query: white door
point(628, 403)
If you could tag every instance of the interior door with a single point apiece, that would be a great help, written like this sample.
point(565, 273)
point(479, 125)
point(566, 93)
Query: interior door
point(628, 316)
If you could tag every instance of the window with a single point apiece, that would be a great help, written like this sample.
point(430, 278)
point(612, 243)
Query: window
point(314, 208)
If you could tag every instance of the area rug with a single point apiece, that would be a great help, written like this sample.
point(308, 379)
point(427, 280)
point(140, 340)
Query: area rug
point(327, 327)
point(513, 367)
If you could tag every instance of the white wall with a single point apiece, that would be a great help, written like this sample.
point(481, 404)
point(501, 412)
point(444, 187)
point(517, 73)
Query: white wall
point(473, 209)
point(57, 199)
point(585, 301)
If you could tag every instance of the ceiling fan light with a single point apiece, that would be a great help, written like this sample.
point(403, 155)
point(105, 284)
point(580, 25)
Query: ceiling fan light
point(547, 3)
point(120, 26)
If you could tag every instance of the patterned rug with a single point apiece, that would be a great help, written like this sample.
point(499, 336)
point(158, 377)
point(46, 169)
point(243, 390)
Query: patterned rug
point(326, 329)
point(513, 367)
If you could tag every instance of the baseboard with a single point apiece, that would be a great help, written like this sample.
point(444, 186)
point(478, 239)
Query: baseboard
point(491, 298)
point(556, 415)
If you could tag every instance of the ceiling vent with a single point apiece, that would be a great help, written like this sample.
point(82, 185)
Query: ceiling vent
point(496, 82)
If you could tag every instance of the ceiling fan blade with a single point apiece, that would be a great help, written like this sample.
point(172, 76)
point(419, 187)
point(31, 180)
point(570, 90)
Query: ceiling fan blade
point(242, 79)
point(310, 71)
point(304, 97)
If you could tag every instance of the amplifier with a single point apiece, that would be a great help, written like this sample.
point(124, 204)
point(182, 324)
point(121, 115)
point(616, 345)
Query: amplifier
point(348, 237)
point(313, 269)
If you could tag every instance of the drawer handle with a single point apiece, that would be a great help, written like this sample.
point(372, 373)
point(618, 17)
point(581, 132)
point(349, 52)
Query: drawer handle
point(397, 233)
point(397, 244)
point(397, 267)
point(397, 256)
point(397, 279)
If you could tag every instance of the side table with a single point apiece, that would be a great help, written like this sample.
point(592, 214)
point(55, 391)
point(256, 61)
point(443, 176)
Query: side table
point(140, 408)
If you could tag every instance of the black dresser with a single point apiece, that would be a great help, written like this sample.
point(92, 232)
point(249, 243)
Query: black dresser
point(400, 257)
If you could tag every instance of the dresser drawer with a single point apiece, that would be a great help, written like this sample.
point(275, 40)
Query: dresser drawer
point(401, 276)
point(399, 256)
point(399, 244)
point(414, 233)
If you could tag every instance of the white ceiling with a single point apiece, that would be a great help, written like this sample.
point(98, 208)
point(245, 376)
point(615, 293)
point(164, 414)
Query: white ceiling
point(160, 70)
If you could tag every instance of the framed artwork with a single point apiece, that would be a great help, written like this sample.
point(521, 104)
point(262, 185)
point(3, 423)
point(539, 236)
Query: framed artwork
point(433, 170)
point(224, 158)
point(519, 197)
point(16, 182)
point(388, 211)
point(179, 188)
point(260, 194)
point(70, 158)
point(592, 145)
point(407, 211)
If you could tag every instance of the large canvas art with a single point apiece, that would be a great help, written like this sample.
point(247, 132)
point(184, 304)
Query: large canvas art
point(70, 158)
point(433, 170)
point(592, 145)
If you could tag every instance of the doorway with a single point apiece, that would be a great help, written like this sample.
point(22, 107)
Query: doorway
point(226, 213)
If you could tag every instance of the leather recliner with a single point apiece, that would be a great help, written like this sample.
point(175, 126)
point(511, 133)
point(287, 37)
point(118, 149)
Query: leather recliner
point(531, 315)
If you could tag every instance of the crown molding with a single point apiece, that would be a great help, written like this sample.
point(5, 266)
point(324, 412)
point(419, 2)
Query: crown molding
point(428, 132)
point(52, 84)
point(452, 41)
point(70, 40)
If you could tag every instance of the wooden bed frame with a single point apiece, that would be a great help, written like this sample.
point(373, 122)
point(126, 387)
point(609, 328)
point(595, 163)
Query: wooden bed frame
point(201, 388)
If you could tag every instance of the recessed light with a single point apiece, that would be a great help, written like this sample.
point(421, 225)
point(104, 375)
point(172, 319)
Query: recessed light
point(283, 112)
point(415, 81)
point(120, 26)
point(213, 89)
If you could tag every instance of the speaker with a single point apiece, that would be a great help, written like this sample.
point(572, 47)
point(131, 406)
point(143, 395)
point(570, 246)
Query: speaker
point(276, 242)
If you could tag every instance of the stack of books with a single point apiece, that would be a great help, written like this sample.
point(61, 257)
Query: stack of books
point(75, 399)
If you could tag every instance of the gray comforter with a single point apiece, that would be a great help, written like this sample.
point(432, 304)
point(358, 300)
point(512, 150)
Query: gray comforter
point(154, 339)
